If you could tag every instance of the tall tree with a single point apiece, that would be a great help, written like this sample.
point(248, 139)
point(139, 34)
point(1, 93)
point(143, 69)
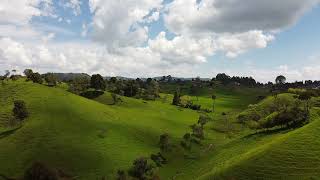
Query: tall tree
point(79, 85)
point(28, 73)
point(280, 80)
point(51, 79)
point(176, 98)
point(36, 78)
point(97, 82)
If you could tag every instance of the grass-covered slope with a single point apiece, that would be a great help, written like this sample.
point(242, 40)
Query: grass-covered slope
point(286, 155)
point(90, 139)
point(83, 137)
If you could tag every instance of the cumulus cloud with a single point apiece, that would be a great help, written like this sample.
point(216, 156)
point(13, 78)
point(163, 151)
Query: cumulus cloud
point(116, 23)
point(120, 35)
point(21, 11)
point(234, 16)
point(235, 44)
point(182, 49)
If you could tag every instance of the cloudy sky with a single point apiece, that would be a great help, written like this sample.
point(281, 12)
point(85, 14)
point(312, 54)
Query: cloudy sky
point(144, 38)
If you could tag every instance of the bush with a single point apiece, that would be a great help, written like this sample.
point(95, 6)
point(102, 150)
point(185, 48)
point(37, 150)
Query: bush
point(141, 169)
point(121, 175)
point(164, 142)
point(51, 79)
point(39, 171)
point(203, 120)
point(91, 94)
point(36, 78)
point(197, 131)
point(20, 110)
point(158, 159)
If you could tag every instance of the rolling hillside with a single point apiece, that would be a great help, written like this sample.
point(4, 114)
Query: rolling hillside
point(90, 139)
point(83, 137)
point(280, 155)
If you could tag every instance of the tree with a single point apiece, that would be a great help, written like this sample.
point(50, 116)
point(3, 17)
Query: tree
point(97, 82)
point(176, 98)
point(203, 120)
point(197, 131)
point(115, 98)
point(20, 111)
point(213, 97)
point(153, 88)
point(51, 79)
point(305, 96)
point(141, 169)
point(39, 171)
point(280, 80)
point(164, 142)
point(121, 175)
point(28, 73)
point(79, 85)
point(36, 78)
point(223, 78)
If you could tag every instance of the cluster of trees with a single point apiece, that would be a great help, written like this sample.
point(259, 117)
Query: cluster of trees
point(282, 111)
point(148, 90)
point(196, 134)
point(138, 88)
point(141, 169)
point(226, 79)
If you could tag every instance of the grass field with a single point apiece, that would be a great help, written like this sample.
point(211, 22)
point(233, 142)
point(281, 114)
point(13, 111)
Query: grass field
point(91, 138)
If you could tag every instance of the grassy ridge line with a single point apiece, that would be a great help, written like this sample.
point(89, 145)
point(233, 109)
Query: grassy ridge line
point(294, 155)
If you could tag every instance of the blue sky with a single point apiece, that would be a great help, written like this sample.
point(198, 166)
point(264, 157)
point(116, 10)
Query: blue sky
point(149, 38)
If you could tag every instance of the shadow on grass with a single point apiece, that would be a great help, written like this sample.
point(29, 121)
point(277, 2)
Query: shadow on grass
point(9, 132)
point(271, 131)
point(92, 94)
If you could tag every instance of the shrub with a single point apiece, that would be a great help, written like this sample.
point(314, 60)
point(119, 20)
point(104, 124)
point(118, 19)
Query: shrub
point(39, 171)
point(158, 159)
point(51, 79)
point(203, 120)
point(91, 94)
point(197, 131)
point(164, 142)
point(121, 175)
point(20, 110)
point(79, 85)
point(141, 169)
point(36, 78)
point(176, 98)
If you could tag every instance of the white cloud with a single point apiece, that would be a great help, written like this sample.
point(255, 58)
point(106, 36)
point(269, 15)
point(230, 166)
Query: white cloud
point(235, 44)
point(121, 43)
point(20, 12)
point(233, 16)
point(116, 23)
point(182, 49)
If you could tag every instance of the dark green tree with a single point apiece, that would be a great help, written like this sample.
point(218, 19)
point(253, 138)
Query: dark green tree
point(176, 98)
point(20, 111)
point(121, 175)
point(280, 80)
point(141, 169)
point(36, 78)
point(164, 142)
point(51, 79)
point(79, 85)
point(97, 82)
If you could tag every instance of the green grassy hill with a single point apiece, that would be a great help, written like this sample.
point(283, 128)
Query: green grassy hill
point(91, 138)
point(280, 155)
